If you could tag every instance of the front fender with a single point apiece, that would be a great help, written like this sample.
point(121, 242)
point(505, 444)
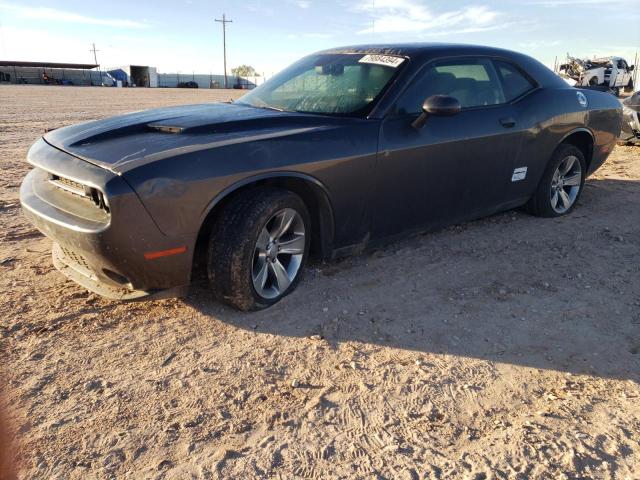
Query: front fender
point(300, 183)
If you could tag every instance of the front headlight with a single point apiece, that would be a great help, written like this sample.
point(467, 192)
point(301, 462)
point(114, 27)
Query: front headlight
point(632, 117)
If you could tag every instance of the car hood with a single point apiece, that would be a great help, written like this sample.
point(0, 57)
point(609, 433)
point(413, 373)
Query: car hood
point(124, 142)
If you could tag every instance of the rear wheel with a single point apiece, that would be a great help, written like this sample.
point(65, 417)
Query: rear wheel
point(258, 248)
point(561, 184)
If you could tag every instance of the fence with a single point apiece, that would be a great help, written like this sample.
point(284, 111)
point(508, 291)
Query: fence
point(83, 77)
point(171, 80)
point(44, 76)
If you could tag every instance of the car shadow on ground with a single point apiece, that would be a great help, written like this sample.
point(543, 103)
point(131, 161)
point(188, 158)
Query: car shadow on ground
point(560, 294)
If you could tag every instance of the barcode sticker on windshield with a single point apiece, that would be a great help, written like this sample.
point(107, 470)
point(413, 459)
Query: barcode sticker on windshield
point(386, 60)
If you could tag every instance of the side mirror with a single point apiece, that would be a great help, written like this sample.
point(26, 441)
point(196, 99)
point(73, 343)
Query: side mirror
point(631, 68)
point(438, 105)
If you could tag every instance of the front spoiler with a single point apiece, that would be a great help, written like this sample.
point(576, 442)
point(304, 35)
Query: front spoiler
point(88, 280)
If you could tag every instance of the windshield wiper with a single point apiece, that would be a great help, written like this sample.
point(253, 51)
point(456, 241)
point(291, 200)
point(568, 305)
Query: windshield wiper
point(269, 107)
point(262, 104)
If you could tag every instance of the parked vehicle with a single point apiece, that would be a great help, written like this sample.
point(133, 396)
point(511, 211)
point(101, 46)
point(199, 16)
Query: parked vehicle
point(610, 72)
point(189, 84)
point(344, 149)
point(631, 118)
point(108, 80)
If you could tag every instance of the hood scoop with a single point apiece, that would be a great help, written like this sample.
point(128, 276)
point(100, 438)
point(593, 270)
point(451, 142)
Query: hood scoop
point(165, 128)
point(200, 124)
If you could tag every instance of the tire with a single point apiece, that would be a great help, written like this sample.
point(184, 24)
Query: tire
point(233, 252)
point(542, 202)
point(593, 81)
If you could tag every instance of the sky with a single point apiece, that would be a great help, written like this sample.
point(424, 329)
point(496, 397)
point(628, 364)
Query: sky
point(181, 35)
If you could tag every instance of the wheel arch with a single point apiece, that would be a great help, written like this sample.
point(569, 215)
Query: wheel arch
point(313, 193)
point(583, 139)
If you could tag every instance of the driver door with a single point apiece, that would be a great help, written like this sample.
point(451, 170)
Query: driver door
point(454, 167)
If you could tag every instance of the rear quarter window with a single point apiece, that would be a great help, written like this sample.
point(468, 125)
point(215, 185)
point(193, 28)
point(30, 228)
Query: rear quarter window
point(514, 82)
point(476, 72)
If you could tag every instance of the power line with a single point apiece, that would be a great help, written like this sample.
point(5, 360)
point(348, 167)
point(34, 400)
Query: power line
point(224, 22)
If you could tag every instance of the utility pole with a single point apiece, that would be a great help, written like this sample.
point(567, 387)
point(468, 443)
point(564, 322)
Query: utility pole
point(635, 72)
point(95, 60)
point(224, 22)
point(373, 19)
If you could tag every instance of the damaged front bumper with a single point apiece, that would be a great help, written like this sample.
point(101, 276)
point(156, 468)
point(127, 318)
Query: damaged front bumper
point(103, 247)
point(630, 124)
point(74, 267)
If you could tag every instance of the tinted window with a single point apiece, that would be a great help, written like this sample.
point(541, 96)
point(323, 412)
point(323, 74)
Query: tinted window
point(472, 81)
point(514, 82)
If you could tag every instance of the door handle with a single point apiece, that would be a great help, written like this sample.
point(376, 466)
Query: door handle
point(507, 122)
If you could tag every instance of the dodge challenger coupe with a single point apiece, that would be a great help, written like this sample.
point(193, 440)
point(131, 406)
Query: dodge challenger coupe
point(343, 149)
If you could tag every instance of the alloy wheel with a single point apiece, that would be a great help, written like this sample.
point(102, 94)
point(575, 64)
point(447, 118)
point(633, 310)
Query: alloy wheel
point(565, 184)
point(278, 253)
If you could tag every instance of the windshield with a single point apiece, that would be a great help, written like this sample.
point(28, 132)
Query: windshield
point(334, 84)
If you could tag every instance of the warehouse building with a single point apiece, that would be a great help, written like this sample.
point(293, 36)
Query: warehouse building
point(49, 73)
point(135, 75)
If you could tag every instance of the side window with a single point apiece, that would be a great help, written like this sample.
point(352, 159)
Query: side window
point(514, 82)
point(472, 81)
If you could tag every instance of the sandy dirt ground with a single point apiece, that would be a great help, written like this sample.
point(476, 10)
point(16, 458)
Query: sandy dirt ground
point(505, 348)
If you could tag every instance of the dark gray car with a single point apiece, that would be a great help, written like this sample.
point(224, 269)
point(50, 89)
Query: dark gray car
point(343, 149)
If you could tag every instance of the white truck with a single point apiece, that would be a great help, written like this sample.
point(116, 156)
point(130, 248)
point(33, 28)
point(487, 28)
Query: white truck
point(611, 72)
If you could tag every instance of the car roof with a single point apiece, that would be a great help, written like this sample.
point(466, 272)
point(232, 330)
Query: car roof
point(602, 59)
point(423, 50)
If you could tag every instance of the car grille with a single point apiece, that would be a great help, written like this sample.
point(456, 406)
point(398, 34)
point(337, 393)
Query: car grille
point(69, 185)
point(74, 257)
point(76, 188)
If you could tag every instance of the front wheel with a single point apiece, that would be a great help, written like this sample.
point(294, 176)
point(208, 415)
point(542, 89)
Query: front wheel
point(258, 248)
point(561, 184)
